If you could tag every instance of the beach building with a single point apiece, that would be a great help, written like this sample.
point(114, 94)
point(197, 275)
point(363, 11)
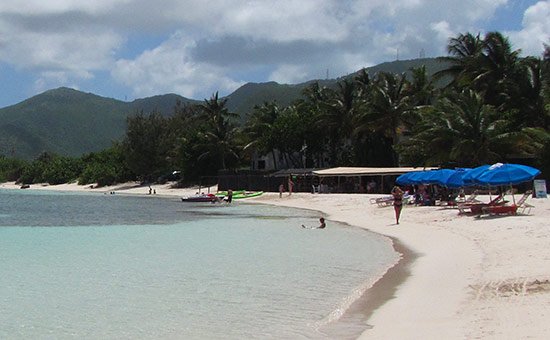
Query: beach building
point(330, 180)
point(360, 179)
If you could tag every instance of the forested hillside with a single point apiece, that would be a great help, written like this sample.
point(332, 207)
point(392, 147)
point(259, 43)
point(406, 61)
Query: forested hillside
point(71, 123)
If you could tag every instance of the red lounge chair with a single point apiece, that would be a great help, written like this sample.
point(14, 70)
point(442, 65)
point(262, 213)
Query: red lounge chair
point(500, 210)
point(477, 208)
point(509, 209)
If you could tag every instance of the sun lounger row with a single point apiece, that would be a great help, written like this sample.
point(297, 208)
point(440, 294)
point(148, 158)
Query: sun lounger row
point(498, 206)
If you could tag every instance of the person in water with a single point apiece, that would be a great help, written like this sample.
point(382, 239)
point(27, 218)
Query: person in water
point(397, 194)
point(322, 224)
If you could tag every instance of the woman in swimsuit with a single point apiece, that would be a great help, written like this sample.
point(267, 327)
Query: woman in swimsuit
point(397, 194)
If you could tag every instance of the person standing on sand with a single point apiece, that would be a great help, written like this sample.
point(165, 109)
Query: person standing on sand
point(397, 194)
point(281, 190)
point(229, 196)
point(290, 185)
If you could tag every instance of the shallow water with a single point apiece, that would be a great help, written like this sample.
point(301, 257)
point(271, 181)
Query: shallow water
point(112, 267)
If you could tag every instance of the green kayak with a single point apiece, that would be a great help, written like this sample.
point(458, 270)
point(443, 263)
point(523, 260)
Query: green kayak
point(247, 194)
point(235, 192)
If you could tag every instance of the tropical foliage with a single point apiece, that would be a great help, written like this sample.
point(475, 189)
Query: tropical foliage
point(490, 104)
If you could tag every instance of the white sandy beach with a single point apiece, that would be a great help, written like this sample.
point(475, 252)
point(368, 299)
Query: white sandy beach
point(461, 278)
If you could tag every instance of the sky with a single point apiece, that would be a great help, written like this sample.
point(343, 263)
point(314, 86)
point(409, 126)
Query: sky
point(129, 49)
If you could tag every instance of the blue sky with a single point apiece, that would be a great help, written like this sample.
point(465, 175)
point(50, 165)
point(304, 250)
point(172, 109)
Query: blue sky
point(128, 49)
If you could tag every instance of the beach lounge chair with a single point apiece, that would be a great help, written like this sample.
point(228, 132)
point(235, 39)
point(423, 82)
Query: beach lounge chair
point(522, 202)
point(477, 208)
point(408, 198)
point(499, 210)
point(511, 209)
point(468, 200)
point(382, 201)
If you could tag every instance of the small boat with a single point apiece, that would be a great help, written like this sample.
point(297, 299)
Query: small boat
point(200, 198)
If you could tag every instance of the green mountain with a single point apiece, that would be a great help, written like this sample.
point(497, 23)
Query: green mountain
point(69, 122)
point(243, 100)
point(162, 103)
point(404, 66)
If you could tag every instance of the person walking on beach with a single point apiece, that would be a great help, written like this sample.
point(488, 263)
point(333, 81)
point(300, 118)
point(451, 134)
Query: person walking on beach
point(290, 185)
point(229, 196)
point(281, 190)
point(397, 194)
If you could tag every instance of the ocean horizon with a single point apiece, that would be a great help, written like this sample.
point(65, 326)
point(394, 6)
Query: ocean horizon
point(81, 265)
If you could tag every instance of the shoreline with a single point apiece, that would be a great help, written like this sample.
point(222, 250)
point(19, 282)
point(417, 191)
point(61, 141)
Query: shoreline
point(459, 277)
point(462, 277)
point(384, 289)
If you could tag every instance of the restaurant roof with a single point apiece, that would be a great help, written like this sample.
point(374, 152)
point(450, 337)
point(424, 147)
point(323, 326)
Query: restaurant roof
point(364, 171)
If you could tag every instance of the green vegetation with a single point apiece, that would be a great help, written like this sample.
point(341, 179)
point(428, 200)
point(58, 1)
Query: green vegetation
point(482, 103)
point(69, 122)
point(51, 168)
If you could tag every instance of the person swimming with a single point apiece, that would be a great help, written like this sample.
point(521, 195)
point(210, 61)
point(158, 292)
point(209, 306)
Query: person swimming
point(322, 224)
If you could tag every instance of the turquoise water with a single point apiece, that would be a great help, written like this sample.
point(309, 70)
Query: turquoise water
point(117, 267)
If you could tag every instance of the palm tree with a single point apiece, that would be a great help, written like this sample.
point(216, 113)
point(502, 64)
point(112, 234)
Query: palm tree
point(336, 116)
point(489, 66)
point(219, 135)
point(260, 129)
point(388, 104)
point(525, 96)
point(421, 89)
point(465, 51)
point(498, 70)
point(363, 84)
point(463, 130)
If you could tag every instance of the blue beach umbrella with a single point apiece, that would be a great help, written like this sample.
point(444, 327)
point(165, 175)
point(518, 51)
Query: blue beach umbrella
point(470, 176)
point(431, 177)
point(455, 180)
point(441, 177)
point(404, 179)
point(503, 174)
point(413, 177)
point(418, 177)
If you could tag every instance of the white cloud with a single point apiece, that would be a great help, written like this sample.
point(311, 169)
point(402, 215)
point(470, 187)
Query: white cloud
point(41, 44)
point(50, 79)
point(536, 30)
point(289, 74)
point(170, 68)
point(190, 45)
point(40, 7)
point(442, 30)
